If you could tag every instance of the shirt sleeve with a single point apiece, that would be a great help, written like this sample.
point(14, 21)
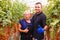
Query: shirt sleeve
point(20, 21)
point(44, 20)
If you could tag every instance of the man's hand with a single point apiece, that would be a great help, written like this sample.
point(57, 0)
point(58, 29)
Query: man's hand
point(40, 30)
point(46, 28)
point(26, 30)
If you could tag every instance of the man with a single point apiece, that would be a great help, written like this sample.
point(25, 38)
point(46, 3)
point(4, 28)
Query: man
point(39, 22)
point(26, 26)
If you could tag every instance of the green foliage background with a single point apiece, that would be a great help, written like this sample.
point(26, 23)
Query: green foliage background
point(52, 11)
point(11, 11)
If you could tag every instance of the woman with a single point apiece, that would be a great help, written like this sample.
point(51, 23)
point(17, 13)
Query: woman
point(26, 26)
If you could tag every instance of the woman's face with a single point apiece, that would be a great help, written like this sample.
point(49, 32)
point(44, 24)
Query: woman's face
point(27, 15)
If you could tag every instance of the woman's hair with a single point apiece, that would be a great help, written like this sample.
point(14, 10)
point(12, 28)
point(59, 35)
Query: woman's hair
point(27, 12)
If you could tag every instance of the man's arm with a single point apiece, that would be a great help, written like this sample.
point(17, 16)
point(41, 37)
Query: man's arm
point(44, 23)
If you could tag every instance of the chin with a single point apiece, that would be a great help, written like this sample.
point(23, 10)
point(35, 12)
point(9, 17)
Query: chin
point(37, 11)
point(27, 19)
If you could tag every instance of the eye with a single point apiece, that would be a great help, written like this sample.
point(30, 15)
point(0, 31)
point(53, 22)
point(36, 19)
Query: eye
point(35, 6)
point(38, 7)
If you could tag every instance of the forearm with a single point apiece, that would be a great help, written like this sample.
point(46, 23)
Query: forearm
point(21, 30)
point(45, 27)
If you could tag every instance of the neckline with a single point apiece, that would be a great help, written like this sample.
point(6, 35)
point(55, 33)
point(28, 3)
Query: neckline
point(27, 22)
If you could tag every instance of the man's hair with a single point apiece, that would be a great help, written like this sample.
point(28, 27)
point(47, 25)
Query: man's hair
point(39, 3)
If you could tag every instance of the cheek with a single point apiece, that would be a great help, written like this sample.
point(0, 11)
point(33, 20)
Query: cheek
point(37, 8)
point(27, 16)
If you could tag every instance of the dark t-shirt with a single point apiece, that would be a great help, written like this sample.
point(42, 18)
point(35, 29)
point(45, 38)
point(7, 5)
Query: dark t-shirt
point(38, 19)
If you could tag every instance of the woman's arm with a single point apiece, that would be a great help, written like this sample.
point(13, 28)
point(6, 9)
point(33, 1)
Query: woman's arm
point(25, 31)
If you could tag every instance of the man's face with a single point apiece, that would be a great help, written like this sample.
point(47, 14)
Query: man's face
point(38, 8)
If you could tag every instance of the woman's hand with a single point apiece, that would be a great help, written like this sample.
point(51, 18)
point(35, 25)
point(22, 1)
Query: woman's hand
point(26, 30)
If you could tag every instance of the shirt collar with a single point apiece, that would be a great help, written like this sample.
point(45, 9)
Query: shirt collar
point(39, 13)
